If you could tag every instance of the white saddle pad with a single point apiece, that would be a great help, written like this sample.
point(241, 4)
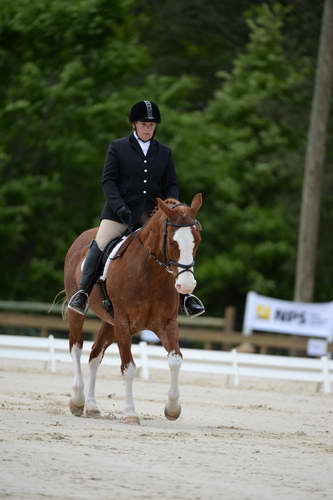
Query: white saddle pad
point(112, 254)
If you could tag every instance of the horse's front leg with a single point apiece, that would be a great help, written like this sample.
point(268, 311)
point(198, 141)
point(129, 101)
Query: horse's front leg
point(128, 370)
point(104, 340)
point(172, 408)
point(170, 340)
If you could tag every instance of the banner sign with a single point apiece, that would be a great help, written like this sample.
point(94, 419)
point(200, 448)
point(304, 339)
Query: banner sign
point(297, 318)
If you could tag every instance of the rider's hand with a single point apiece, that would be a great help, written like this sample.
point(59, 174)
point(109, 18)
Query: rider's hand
point(124, 215)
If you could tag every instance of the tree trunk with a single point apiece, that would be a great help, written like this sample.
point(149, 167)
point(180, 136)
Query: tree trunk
point(315, 154)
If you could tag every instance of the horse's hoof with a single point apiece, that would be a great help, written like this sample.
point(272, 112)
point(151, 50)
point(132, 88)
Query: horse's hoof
point(76, 409)
point(92, 412)
point(172, 415)
point(132, 420)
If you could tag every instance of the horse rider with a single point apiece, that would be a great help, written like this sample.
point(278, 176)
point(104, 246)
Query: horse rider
point(137, 170)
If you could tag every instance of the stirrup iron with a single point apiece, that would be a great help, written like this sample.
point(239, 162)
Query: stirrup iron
point(186, 308)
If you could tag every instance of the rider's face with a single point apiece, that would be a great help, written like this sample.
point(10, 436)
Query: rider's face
point(145, 130)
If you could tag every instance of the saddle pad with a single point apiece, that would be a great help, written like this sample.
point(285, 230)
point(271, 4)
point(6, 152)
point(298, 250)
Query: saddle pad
point(117, 251)
point(110, 257)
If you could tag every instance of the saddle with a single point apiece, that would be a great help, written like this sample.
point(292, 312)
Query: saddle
point(108, 255)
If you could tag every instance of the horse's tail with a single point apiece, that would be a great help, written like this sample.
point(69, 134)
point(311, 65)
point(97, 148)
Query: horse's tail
point(63, 302)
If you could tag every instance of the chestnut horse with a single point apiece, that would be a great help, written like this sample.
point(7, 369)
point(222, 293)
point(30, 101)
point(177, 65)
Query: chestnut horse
point(143, 286)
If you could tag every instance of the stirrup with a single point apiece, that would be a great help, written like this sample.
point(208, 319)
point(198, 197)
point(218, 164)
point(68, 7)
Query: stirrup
point(187, 309)
point(74, 303)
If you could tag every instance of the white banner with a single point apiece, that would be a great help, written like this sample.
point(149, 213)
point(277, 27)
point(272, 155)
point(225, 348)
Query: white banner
point(283, 316)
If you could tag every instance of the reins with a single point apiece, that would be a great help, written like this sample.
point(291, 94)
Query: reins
point(156, 259)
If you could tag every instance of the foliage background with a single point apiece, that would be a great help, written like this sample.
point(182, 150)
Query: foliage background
point(234, 83)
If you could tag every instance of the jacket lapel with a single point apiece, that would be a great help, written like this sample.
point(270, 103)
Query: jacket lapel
point(135, 145)
point(152, 148)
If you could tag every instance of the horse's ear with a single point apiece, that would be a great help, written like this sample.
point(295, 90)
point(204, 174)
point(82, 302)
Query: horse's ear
point(165, 208)
point(196, 204)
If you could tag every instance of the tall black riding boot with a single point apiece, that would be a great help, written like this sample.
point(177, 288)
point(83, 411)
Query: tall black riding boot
point(79, 301)
point(192, 306)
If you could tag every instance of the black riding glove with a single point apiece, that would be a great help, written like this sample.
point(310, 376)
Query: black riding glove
point(124, 215)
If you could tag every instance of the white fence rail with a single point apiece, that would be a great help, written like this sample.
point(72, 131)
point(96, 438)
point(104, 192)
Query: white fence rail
point(232, 363)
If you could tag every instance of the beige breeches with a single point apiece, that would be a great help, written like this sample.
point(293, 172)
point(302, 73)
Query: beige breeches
point(108, 230)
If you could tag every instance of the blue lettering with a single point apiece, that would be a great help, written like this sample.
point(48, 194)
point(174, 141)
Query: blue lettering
point(289, 316)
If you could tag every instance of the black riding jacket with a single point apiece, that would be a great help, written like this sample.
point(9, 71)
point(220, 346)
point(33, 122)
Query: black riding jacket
point(130, 178)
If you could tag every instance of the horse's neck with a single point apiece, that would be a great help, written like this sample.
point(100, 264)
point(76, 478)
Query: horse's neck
point(152, 236)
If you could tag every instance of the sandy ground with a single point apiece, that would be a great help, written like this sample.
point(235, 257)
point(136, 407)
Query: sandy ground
point(264, 440)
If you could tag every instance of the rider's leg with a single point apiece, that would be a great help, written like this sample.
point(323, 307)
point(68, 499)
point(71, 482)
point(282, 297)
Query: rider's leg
point(108, 230)
point(192, 305)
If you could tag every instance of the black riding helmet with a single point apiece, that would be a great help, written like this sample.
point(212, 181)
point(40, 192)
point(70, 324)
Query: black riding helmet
point(145, 111)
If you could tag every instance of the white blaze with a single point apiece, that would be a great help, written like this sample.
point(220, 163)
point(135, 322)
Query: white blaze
point(185, 282)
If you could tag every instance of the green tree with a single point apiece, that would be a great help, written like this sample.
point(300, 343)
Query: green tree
point(200, 38)
point(70, 72)
point(248, 159)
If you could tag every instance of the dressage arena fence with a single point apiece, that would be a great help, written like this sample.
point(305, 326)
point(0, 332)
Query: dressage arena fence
point(234, 364)
point(34, 318)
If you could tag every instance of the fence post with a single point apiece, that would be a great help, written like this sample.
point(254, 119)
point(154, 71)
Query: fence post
point(326, 374)
point(235, 367)
point(228, 324)
point(229, 319)
point(52, 354)
point(144, 360)
point(43, 331)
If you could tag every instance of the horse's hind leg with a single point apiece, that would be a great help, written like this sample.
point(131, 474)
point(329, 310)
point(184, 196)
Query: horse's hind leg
point(75, 320)
point(104, 340)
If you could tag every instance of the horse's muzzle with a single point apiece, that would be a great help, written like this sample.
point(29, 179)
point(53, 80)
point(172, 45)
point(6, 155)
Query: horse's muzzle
point(186, 285)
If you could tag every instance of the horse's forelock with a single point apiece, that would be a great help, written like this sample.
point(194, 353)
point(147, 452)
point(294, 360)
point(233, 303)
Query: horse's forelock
point(181, 213)
point(180, 209)
point(171, 202)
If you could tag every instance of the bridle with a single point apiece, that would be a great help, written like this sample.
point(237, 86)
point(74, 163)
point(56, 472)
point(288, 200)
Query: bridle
point(185, 268)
